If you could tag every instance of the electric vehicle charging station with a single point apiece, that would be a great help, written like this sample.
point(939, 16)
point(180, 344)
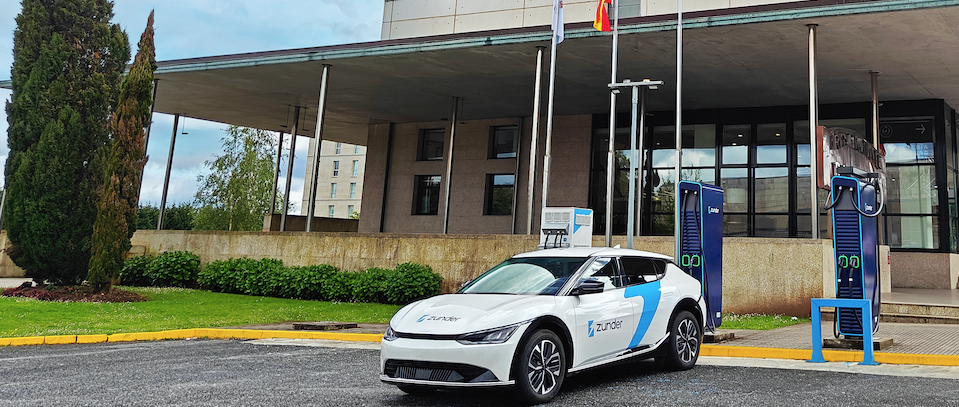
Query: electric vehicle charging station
point(566, 227)
point(855, 202)
point(701, 221)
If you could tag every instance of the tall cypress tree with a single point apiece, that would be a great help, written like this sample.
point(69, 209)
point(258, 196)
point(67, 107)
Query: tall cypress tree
point(118, 196)
point(68, 61)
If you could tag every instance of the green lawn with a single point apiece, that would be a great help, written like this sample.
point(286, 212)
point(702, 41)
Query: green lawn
point(173, 308)
point(758, 321)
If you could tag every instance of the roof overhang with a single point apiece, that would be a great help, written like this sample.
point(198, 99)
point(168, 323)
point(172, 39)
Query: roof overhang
point(752, 56)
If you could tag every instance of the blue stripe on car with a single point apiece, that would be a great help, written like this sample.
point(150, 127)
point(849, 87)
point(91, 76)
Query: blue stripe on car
point(651, 294)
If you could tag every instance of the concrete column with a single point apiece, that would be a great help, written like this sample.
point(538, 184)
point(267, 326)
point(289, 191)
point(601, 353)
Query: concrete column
point(289, 167)
point(166, 178)
point(318, 140)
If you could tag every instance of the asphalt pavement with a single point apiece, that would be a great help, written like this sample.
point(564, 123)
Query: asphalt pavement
point(261, 373)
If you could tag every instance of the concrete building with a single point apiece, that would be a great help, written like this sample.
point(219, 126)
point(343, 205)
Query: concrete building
point(432, 168)
point(340, 179)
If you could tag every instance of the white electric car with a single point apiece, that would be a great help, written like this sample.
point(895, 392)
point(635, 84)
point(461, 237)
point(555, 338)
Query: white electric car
point(533, 319)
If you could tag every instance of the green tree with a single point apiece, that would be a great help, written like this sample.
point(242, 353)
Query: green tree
point(67, 65)
point(176, 217)
point(236, 193)
point(123, 169)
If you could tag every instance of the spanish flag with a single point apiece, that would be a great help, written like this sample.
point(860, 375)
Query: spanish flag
point(601, 22)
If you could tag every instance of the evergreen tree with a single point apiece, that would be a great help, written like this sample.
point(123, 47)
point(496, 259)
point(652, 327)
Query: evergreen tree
point(68, 61)
point(236, 193)
point(118, 196)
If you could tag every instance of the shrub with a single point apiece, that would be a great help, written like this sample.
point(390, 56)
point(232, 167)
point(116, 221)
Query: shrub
point(225, 275)
point(134, 271)
point(412, 282)
point(307, 282)
point(174, 269)
point(371, 285)
point(338, 287)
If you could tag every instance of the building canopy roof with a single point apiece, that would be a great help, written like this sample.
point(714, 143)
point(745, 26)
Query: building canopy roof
point(744, 57)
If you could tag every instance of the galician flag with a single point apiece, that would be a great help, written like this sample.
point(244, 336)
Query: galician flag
point(558, 20)
point(602, 16)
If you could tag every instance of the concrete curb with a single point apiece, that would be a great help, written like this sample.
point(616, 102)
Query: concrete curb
point(706, 350)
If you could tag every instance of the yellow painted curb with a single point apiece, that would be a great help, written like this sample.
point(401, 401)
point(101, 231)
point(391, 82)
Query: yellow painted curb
point(27, 340)
point(829, 355)
point(91, 338)
point(60, 340)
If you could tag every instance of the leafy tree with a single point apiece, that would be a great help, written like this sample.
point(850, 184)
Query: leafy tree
point(236, 193)
point(176, 217)
point(118, 196)
point(68, 62)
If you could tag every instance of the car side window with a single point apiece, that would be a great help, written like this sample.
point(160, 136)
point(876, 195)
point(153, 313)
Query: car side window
point(639, 270)
point(604, 269)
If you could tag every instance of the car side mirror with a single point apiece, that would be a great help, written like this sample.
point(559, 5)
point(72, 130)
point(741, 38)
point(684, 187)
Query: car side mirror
point(588, 287)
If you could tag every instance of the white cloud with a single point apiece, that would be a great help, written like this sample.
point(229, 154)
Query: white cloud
point(197, 28)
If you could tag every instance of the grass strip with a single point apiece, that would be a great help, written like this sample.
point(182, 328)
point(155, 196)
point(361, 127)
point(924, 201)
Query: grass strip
point(173, 308)
point(759, 321)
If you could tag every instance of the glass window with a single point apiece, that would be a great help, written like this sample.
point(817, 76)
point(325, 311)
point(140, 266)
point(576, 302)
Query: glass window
point(638, 270)
point(735, 225)
point(338, 146)
point(503, 141)
point(431, 145)
point(356, 149)
point(499, 194)
point(663, 224)
point(604, 269)
point(772, 190)
point(911, 189)
point(356, 167)
point(336, 168)
point(349, 210)
point(771, 143)
point(735, 184)
point(699, 146)
point(426, 195)
point(736, 143)
point(332, 207)
point(912, 232)
point(526, 275)
point(772, 226)
point(352, 190)
point(909, 153)
point(332, 190)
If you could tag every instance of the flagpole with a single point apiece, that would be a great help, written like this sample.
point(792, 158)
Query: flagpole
point(679, 122)
point(611, 154)
point(557, 31)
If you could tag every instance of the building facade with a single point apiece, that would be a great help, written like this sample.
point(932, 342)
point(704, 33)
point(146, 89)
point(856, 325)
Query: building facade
point(340, 180)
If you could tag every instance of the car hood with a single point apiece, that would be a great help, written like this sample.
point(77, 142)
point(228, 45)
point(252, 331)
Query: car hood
point(462, 313)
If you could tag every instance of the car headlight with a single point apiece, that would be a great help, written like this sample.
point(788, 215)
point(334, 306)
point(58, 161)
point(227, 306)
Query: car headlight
point(390, 334)
point(495, 335)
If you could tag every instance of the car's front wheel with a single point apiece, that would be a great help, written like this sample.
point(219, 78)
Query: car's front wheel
point(540, 367)
point(685, 336)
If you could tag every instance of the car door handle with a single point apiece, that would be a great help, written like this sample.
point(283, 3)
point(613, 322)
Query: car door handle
point(625, 303)
point(668, 292)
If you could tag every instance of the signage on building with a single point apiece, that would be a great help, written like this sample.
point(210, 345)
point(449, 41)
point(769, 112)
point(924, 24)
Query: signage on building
point(842, 147)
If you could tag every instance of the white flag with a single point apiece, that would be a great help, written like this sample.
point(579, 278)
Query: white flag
point(558, 20)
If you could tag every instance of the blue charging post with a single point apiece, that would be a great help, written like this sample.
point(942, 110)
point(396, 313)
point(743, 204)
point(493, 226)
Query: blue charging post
point(701, 243)
point(864, 304)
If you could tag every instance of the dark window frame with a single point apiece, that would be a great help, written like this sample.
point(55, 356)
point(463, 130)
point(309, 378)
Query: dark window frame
point(421, 146)
point(489, 191)
point(491, 150)
point(417, 193)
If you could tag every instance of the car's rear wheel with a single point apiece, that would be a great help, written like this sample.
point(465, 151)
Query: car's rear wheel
point(540, 367)
point(685, 336)
point(416, 390)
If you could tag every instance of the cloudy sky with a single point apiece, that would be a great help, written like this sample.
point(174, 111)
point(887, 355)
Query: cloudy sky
point(197, 28)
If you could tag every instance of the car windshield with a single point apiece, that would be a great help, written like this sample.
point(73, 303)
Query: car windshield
point(529, 276)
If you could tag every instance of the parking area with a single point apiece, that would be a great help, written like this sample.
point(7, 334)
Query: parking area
point(258, 373)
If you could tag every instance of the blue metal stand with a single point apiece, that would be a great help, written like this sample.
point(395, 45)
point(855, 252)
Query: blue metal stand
point(867, 343)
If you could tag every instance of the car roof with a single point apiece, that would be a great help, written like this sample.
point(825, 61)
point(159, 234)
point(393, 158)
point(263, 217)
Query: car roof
point(591, 251)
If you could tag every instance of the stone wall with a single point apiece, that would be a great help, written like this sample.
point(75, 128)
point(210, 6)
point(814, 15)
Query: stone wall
point(760, 275)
